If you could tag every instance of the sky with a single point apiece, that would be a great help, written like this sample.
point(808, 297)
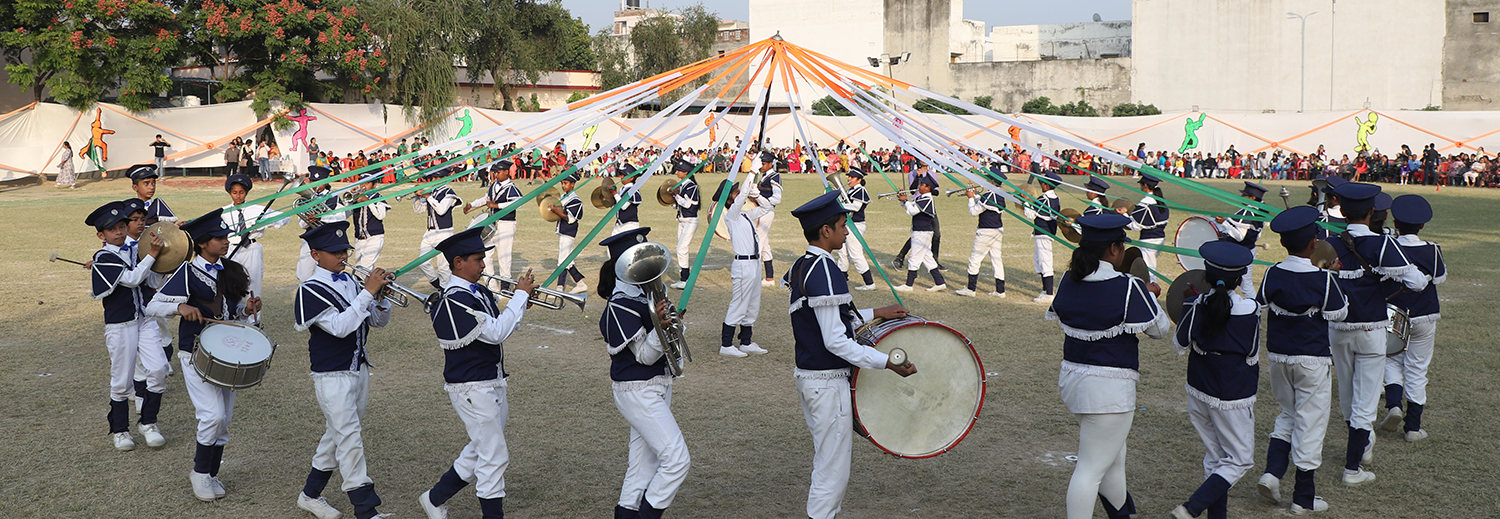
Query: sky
point(600, 13)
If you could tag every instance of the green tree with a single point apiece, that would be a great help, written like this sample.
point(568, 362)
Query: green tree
point(1040, 105)
point(516, 41)
point(933, 106)
point(577, 95)
point(83, 50)
point(656, 45)
point(1078, 109)
point(422, 39)
point(1134, 109)
point(613, 60)
point(829, 106)
point(984, 102)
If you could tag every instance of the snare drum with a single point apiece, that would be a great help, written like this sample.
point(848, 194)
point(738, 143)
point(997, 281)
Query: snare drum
point(1398, 332)
point(928, 413)
point(1194, 232)
point(232, 356)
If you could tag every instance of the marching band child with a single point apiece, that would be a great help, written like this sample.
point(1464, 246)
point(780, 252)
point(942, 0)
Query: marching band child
point(569, 211)
point(249, 253)
point(1095, 194)
point(305, 264)
point(1041, 258)
point(471, 328)
point(923, 211)
point(686, 201)
point(987, 240)
point(852, 252)
point(501, 192)
point(1220, 333)
point(338, 312)
point(369, 231)
point(744, 298)
point(642, 387)
point(1408, 370)
point(1150, 218)
point(143, 179)
point(1244, 231)
point(116, 279)
point(629, 216)
point(769, 185)
point(438, 204)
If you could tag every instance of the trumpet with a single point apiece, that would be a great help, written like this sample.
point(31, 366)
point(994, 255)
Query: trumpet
point(897, 193)
point(395, 293)
point(544, 297)
point(351, 197)
point(952, 192)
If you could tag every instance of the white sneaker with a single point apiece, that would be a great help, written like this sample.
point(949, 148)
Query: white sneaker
point(964, 292)
point(123, 441)
point(1042, 298)
point(1269, 487)
point(938, 288)
point(679, 285)
point(1319, 505)
point(1181, 513)
point(433, 511)
point(320, 508)
point(1000, 295)
point(1369, 454)
point(1416, 436)
point(753, 348)
point(202, 486)
point(768, 282)
point(1392, 421)
point(580, 288)
point(153, 435)
point(731, 351)
point(1358, 477)
point(870, 286)
point(903, 288)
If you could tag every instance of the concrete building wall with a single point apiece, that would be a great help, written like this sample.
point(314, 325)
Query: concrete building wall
point(1471, 56)
point(923, 28)
point(1086, 40)
point(1246, 55)
point(967, 43)
point(1104, 83)
point(846, 30)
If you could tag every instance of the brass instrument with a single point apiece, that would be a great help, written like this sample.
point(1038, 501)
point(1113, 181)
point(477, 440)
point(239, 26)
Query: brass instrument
point(396, 293)
point(952, 192)
point(543, 297)
point(544, 205)
point(643, 265)
point(665, 192)
point(603, 196)
point(176, 247)
point(907, 192)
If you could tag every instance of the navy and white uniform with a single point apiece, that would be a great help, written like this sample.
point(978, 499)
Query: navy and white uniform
point(368, 226)
point(1330, 214)
point(823, 320)
point(338, 313)
point(567, 226)
point(859, 199)
point(1223, 374)
point(1301, 300)
point(687, 202)
point(629, 216)
point(498, 259)
point(471, 328)
point(923, 211)
point(1241, 230)
point(744, 298)
point(157, 210)
point(770, 194)
point(1407, 371)
point(987, 238)
point(1150, 218)
point(1100, 317)
point(1041, 259)
point(642, 388)
point(251, 255)
point(118, 282)
point(305, 264)
point(439, 209)
point(1092, 209)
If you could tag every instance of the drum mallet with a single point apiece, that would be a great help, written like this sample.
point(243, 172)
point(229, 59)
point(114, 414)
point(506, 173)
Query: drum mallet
point(55, 259)
point(898, 357)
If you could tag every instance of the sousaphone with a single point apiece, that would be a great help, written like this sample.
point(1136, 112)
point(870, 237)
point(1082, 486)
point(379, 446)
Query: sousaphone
point(176, 247)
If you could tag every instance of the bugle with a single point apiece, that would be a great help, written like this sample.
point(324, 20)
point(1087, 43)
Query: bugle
point(394, 292)
point(543, 297)
point(897, 193)
point(952, 192)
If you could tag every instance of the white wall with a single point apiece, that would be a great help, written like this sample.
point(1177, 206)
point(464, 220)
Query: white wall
point(1245, 55)
point(846, 30)
point(1085, 40)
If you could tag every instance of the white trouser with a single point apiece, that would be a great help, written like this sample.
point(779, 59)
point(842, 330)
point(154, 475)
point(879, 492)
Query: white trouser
point(626, 226)
point(252, 257)
point(920, 254)
point(123, 341)
point(497, 260)
point(1228, 438)
point(826, 407)
point(987, 243)
point(744, 295)
point(149, 367)
point(212, 405)
point(853, 251)
point(305, 263)
point(1041, 258)
point(1101, 462)
point(483, 461)
point(763, 234)
point(1359, 362)
point(1247, 283)
point(1409, 368)
point(1150, 256)
point(686, 228)
point(429, 242)
point(1305, 393)
point(564, 248)
point(342, 396)
point(659, 457)
point(367, 251)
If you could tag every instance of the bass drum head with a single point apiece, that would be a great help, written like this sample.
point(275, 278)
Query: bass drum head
point(928, 413)
point(1194, 232)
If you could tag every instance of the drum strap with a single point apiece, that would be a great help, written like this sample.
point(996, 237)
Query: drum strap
point(1348, 242)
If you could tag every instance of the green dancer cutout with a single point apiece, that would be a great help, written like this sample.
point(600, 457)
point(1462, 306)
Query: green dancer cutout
point(468, 120)
point(1366, 128)
point(1190, 131)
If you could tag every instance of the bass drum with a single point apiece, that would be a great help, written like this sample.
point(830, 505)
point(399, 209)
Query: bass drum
point(930, 412)
point(1194, 232)
point(233, 356)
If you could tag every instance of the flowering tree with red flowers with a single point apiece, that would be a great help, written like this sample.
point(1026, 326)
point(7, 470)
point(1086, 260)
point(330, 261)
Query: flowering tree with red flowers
point(83, 49)
point(291, 51)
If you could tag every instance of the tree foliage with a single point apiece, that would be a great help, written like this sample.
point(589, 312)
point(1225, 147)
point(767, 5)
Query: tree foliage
point(984, 102)
point(1134, 109)
point(421, 38)
point(933, 106)
point(1043, 106)
point(82, 50)
point(829, 106)
point(515, 41)
point(1039, 105)
point(656, 45)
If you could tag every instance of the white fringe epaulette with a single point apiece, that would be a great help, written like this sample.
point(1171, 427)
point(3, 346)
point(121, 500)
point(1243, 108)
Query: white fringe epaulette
point(1243, 403)
point(637, 385)
point(461, 387)
point(1278, 310)
point(1180, 348)
point(1350, 274)
point(817, 301)
point(1440, 279)
point(1424, 319)
point(333, 374)
point(1336, 315)
point(821, 374)
point(1377, 325)
point(1101, 371)
point(1395, 272)
point(1304, 360)
point(1094, 335)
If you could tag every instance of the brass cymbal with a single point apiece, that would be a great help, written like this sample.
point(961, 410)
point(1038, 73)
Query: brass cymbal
point(1323, 254)
point(1131, 255)
point(544, 205)
point(1122, 203)
point(1138, 269)
point(552, 192)
point(664, 192)
point(176, 246)
point(1068, 231)
point(600, 198)
point(1032, 190)
point(1190, 283)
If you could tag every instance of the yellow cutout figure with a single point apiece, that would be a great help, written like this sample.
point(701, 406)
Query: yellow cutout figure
point(97, 150)
point(1366, 127)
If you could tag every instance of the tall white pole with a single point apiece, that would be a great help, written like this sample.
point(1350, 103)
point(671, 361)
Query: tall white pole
point(1332, 50)
point(1303, 18)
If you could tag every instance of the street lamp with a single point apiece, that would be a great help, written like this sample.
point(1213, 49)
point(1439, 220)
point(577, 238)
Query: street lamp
point(889, 61)
point(1291, 15)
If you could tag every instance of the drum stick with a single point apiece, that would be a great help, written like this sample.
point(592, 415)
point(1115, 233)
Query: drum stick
point(55, 259)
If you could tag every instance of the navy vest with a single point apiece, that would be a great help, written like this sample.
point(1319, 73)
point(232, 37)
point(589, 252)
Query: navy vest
point(366, 224)
point(574, 208)
point(1428, 257)
point(1299, 293)
point(202, 292)
point(476, 361)
point(1153, 217)
point(623, 320)
point(811, 277)
point(860, 194)
point(689, 191)
point(1367, 292)
point(772, 177)
point(922, 221)
point(325, 351)
point(502, 194)
point(121, 304)
point(1094, 306)
point(1222, 371)
point(628, 213)
point(1050, 225)
point(990, 219)
point(442, 220)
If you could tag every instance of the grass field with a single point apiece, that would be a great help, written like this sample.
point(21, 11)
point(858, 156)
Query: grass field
point(750, 447)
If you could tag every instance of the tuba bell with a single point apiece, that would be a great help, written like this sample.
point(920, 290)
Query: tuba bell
point(643, 265)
